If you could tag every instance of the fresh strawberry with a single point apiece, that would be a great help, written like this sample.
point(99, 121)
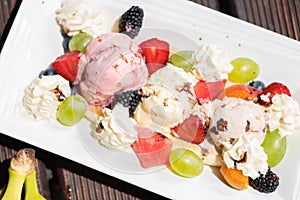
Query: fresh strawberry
point(208, 91)
point(156, 53)
point(66, 65)
point(276, 88)
point(191, 130)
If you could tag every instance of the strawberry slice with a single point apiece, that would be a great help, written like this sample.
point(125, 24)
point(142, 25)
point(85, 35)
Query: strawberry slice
point(208, 91)
point(276, 88)
point(156, 53)
point(191, 130)
point(66, 65)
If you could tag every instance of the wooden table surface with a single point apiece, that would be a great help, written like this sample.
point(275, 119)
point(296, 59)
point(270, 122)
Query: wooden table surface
point(59, 179)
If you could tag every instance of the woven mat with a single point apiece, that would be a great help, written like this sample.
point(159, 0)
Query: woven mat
point(281, 16)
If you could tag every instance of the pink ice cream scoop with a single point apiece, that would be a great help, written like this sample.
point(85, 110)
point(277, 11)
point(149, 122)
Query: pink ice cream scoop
point(112, 64)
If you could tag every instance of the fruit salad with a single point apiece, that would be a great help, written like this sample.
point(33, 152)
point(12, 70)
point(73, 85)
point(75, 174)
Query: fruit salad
point(179, 108)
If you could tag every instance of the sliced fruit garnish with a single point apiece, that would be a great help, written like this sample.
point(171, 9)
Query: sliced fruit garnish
point(153, 150)
point(235, 177)
point(156, 53)
point(276, 88)
point(208, 91)
point(242, 91)
point(66, 65)
point(191, 130)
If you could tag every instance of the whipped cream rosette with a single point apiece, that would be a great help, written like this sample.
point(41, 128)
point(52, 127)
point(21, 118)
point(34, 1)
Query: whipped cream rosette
point(246, 154)
point(43, 95)
point(284, 114)
point(115, 130)
point(76, 16)
point(211, 63)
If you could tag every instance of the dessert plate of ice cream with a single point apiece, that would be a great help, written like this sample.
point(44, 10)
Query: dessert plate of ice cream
point(148, 97)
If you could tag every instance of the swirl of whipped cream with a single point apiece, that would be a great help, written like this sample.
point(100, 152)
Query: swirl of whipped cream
point(42, 96)
point(116, 131)
point(284, 114)
point(80, 15)
point(211, 63)
point(247, 155)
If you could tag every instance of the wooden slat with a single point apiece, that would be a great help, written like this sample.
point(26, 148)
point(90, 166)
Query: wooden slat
point(262, 13)
point(6, 7)
point(249, 11)
point(295, 18)
point(3, 16)
point(8, 10)
point(265, 10)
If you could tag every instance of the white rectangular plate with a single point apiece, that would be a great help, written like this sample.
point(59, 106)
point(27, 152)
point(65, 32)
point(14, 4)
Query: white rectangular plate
point(35, 41)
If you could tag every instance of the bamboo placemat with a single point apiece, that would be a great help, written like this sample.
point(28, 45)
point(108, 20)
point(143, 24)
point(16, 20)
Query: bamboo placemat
point(281, 16)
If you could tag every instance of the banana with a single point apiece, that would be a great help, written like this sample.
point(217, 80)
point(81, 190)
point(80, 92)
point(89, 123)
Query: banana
point(31, 188)
point(22, 170)
point(14, 186)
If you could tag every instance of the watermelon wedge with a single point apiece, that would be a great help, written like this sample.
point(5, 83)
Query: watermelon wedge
point(208, 91)
point(153, 150)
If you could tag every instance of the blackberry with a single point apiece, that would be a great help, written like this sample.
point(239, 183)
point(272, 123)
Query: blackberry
point(259, 85)
point(130, 99)
point(131, 21)
point(265, 183)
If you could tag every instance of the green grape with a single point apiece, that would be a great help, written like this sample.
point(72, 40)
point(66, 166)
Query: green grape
point(185, 162)
point(274, 146)
point(71, 110)
point(79, 42)
point(244, 70)
point(183, 59)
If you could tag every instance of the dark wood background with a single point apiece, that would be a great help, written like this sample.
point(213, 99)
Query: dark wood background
point(60, 178)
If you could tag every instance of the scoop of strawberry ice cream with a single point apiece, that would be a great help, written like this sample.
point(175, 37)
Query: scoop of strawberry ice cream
point(111, 65)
